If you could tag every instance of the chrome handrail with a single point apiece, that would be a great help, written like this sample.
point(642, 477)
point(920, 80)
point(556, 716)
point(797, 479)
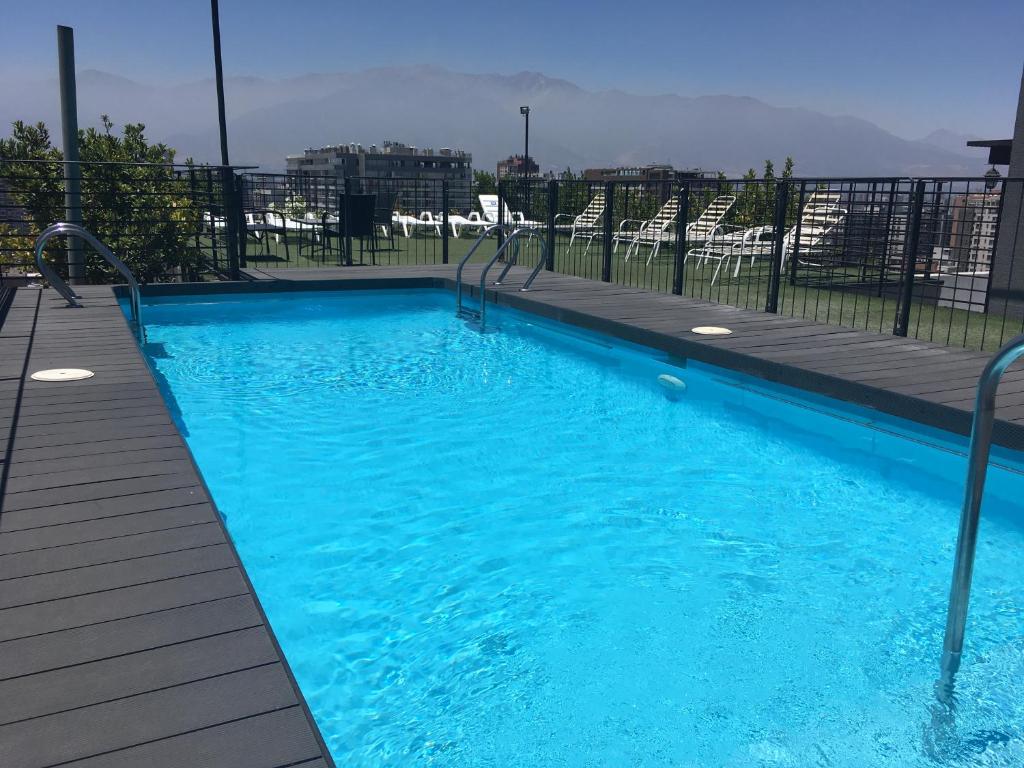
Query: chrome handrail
point(512, 238)
point(64, 228)
point(483, 275)
point(967, 537)
point(464, 259)
point(533, 232)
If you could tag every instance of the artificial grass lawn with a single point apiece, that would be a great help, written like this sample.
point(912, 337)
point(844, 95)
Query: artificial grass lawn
point(928, 321)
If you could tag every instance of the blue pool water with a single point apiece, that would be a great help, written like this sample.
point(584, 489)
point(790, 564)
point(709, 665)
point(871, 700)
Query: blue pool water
point(512, 549)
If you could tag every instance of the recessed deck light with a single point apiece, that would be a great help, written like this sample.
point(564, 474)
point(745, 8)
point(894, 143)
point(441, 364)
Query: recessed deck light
point(711, 330)
point(62, 374)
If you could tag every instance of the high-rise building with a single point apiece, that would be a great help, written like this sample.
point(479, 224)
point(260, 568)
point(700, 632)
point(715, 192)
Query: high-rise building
point(415, 174)
point(972, 230)
point(515, 166)
point(654, 179)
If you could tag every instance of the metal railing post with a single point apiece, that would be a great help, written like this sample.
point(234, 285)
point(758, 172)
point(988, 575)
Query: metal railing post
point(609, 202)
point(778, 245)
point(552, 207)
point(227, 178)
point(72, 166)
point(212, 208)
point(902, 325)
point(243, 239)
point(501, 214)
point(346, 205)
point(798, 234)
point(683, 207)
point(967, 536)
point(444, 221)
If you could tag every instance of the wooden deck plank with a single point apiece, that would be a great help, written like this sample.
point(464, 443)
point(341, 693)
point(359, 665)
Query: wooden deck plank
point(76, 512)
point(102, 728)
point(18, 501)
point(278, 739)
point(109, 639)
point(69, 688)
point(83, 610)
point(45, 537)
point(98, 579)
point(60, 467)
point(126, 548)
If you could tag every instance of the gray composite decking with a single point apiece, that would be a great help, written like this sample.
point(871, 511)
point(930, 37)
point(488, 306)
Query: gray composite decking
point(129, 633)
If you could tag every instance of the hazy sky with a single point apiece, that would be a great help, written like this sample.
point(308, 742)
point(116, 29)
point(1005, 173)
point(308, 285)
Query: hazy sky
point(909, 65)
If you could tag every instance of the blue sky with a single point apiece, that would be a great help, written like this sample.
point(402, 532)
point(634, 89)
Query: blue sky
point(909, 65)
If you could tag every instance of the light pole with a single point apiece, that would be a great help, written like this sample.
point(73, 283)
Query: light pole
point(219, 76)
point(525, 112)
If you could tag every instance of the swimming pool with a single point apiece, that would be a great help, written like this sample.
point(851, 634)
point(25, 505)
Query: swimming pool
point(513, 549)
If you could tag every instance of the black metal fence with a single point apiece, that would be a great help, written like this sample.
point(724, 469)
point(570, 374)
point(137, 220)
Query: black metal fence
point(911, 257)
point(167, 222)
point(312, 220)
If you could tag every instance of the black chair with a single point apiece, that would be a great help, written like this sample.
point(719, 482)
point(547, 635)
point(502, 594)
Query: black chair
point(359, 210)
point(259, 225)
point(382, 213)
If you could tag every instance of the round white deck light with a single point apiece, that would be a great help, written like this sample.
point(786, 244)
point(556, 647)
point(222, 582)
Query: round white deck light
point(710, 330)
point(63, 374)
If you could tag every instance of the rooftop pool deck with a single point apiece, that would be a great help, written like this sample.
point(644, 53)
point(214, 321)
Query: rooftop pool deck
point(129, 631)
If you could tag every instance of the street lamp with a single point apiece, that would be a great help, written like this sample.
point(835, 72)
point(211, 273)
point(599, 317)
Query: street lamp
point(525, 112)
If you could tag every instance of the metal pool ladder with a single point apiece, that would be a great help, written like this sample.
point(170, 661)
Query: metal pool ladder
point(72, 298)
point(967, 538)
point(481, 314)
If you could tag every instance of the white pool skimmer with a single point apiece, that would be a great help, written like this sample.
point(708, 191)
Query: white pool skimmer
point(710, 330)
point(62, 374)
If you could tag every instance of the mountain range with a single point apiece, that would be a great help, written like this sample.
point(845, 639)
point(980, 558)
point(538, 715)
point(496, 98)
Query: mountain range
point(434, 107)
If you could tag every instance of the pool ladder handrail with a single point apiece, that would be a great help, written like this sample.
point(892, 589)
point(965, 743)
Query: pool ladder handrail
point(967, 537)
point(513, 237)
point(72, 298)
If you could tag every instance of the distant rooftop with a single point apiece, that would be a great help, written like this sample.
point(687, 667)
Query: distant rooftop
point(387, 148)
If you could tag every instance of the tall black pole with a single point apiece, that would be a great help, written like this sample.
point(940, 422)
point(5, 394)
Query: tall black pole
point(526, 149)
point(72, 168)
point(215, 13)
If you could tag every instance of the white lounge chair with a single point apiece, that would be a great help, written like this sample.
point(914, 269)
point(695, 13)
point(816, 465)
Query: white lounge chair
point(655, 231)
point(820, 216)
point(213, 222)
point(409, 223)
point(489, 206)
point(586, 224)
point(472, 221)
point(709, 223)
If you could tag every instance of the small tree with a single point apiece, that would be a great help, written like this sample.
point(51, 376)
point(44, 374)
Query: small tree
point(485, 183)
point(132, 199)
point(749, 200)
point(793, 203)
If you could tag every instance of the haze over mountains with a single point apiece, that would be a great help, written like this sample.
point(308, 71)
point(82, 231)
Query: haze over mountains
point(433, 107)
